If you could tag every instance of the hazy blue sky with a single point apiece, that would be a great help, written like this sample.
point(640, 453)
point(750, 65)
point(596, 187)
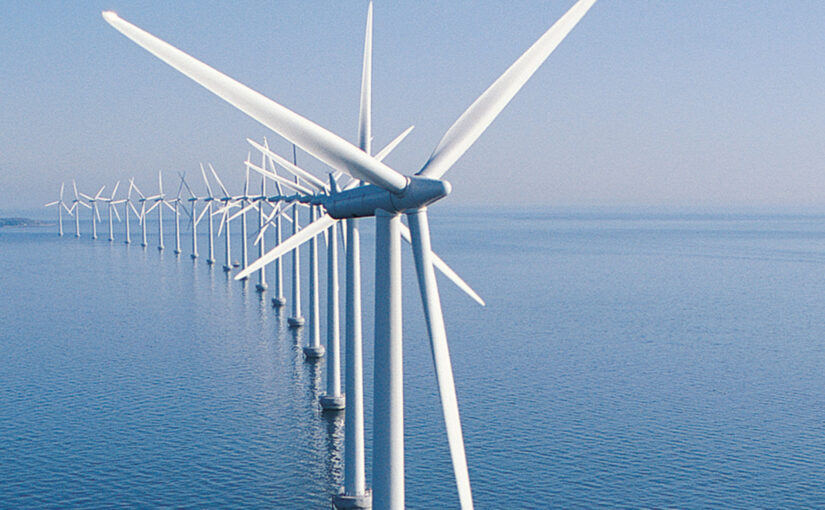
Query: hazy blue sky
point(649, 103)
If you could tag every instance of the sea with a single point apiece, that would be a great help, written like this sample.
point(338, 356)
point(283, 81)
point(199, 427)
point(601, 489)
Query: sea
point(624, 359)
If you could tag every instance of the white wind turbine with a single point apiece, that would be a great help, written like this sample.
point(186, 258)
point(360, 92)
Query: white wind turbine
point(209, 198)
point(96, 214)
point(128, 204)
point(76, 203)
point(141, 215)
point(110, 206)
point(177, 209)
point(193, 217)
point(388, 195)
point(228, 202)
point(61, 205)
point(160, 202)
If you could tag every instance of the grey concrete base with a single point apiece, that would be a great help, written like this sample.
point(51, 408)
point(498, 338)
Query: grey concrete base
point(210, 261)
point(261, 287)
point(346, 502)
point(312, 353)
point(143, 245)
point(278, 301)
point(295, 322)
point(160, 248)
point(227, 268)
point(125, 242)
point(177, 252)
point(194, 256)
point(333, 402)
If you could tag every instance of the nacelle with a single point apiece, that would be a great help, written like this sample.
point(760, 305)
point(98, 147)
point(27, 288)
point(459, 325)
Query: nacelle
point(365, 200)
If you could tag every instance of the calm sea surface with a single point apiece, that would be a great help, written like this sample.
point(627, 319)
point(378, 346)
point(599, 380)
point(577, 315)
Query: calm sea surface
point(623, 360)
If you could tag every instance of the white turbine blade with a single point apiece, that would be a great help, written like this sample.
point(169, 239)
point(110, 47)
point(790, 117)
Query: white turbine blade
point(114, 190)
point(160, 182)
point(87, 197)
point(134, 209)
point(61, 191)
point(486, 108)
point(422, 252)
point(220, 183)
point(152, 207)
point(135, 186)
point(52, 203)
point(117, 214)
point(201, 215)
point(267, 222)
point(246, 178)
point(68, 210)
point(154, 197)
point(290, 167)
point(208, 187)
point(168, 206)
point(251, 205)
point(314, 139)
point(365, 107)
point(393, 144)
point(446, 270)
point(99, 192)
point(74, 185)
point(84, 204)
point(282, 180)
point(293, 242)
point(97, 213)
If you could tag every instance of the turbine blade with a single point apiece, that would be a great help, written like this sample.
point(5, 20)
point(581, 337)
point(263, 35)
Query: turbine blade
point(99, 192)
point(87, 197)
point(290, 167)
point(74, 185)
point(365, 110)
point(291, 243)
point(314, 139)
point(220, 183)
point(114, 190)
point(201, 215)
point(208, 187)
point(393, 144)
point(117, 214)
point(472, 123)
point(61, 191)
point(251, 205)
point(52, 203)
point(422, 252)
point(279, 179)
point(446, 270)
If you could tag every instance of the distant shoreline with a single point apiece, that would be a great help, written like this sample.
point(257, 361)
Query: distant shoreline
point(24, 222)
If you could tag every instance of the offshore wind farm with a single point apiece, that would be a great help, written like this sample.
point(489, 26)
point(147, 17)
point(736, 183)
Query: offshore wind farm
point(262, 345)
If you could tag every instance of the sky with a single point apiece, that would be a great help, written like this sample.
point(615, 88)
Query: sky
point(646, 103)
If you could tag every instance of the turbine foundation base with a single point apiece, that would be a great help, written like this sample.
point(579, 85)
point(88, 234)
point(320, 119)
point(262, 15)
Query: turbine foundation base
point(295, 322)
point(261, 287)
point(177, 252)
point(333, 402)
point(194, 256)
point(227, 268)
point(210, 261)
point(347, 502)
point(313, 353)
point(278, 302)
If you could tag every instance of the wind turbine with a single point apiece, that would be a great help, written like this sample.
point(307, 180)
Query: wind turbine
point(93, 201)
point(76, 203)
point(61, 205)
point(177, 208)
point(128, 204)
point(142, 215)
point(208, 211)
point(228, 202)
point(195, 219)
point(388, 195)
point(111, 203)
point(160, 201)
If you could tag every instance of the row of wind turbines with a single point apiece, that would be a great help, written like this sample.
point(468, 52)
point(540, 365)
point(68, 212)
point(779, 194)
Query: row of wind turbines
point(359, 185)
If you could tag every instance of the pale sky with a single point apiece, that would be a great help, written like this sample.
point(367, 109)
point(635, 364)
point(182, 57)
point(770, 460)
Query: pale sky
point(668, 103)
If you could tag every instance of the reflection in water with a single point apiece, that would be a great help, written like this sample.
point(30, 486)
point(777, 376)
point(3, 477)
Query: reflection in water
point(335, 448)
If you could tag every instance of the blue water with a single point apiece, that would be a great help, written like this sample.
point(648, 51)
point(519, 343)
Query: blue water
point(623, 360)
